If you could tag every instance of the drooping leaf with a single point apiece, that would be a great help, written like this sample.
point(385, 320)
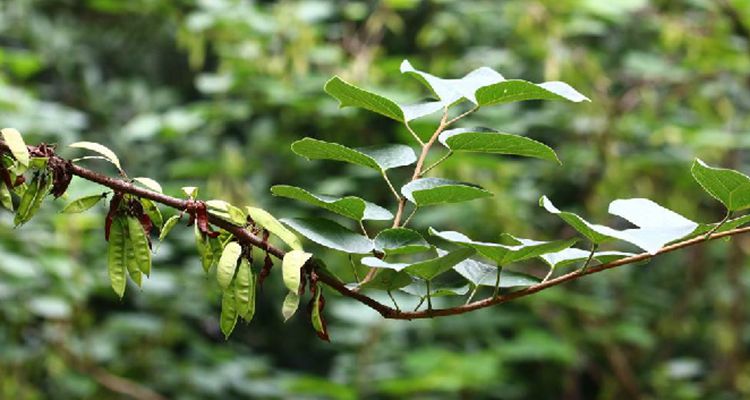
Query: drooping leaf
point(229, 314)
point(291, 303)
point(400, 241)
point(577, 256)
point(117, 255)
point(101, 149)
point(379, 158)
point(316, 315)
point(519, 90)
point(502, 254)
point(730, 187)
point(291, 268)
point(430, 191)
point(171, 222)
point(82, 204)
point(228, 264)
point(483, 140)
point(32, 198)
point(139, 242)
point(330, 234)
point(150, 208)
point(349, 206)
point(657, 225)
point(6, 200)
point(244, 291)
point(268, 221)
point(17, 146)
point(149, 183)
point(429, 269)
point(349, 95)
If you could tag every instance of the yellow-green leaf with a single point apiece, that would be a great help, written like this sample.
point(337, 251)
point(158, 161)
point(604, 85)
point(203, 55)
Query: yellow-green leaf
point(17, 146)
point(228, 264)
point(291, 268)
point(82, 204)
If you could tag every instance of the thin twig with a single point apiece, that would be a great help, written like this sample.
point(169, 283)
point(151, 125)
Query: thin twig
point(594, 246)
point(722, 222)
point(436, 163)
point(390, 185)
point(414, 211)
point(421, 143)
point(463, 115)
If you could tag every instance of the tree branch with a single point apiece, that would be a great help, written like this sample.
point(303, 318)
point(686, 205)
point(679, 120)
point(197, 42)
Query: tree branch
point(246, 236)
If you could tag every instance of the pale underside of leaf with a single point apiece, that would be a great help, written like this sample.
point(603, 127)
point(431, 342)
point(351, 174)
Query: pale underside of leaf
point(430, 191)
point(330, 234)
point(100, 149)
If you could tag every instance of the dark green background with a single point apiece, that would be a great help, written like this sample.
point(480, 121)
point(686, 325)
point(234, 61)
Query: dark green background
point(211, 93)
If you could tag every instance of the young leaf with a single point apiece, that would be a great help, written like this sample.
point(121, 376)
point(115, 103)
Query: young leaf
point(32, 198)
point(730, 187)
point(379, 158)
point(291, 303)
point(229, 314)
point(429, 269)
point(520, 90)
point(17, 146)
point(349, 206)
point(101, 149)
point(244, 291)
point(117, 254)
point(400, 241)
point(316, 315)
point(226, 211)
point(430, 191)
point(190, 191)
point(349, 95)
point(291, 268)
point(483, 140)
point(505, 254)
point(330, 234)
point(139, 242)
point(171, 222)
point(273, 225)
point(228, 264)
point(82, 204)
point(149, 183)
point(153, 212)
point(5, 198)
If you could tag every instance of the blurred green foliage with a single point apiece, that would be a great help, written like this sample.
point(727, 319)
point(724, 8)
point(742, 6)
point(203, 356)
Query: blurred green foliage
point(212, 92)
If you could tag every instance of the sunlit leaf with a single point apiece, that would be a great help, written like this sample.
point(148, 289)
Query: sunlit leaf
point(291, 303)
point(244, 291)
point(17, 146)
point(150, 208)
point(82, 204)
point(291, 268)
point(379, 158)
point(229, 314)
point(730, 187)
point(520, 90)
point(268, 221)
point(100, 149)
point(228, 264)
point(149, 183)
point(171, 222)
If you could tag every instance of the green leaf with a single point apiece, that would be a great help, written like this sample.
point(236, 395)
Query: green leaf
point(190, 191)
point(149, 183)
point(82, 204)
point(430, 191)
point(482, 274)
point(330, 234)
point(244, 291)
point(502, 254)
point(400, 241)
point(429, 269)
point(483, 140)
point(229, 314)
point(316, 316)
point(349, 206)
point(387, 279)
point(226, 211)
point(171, 222)
point(228, 264)
point(268, 221)
point(131, 262)
point(349, 95)
point(730, 187)
point(117, 254)
point(576, 256)
point(291, 268)
point(153, 212)
point(420, 290)
point(291, 303)
point(139, 242)
point(32, 198)
point(520, 90)
point(5, 198)
point(108, 154)
point(450, 91)
point(17, 146)
point(379, 158)
point(657, 225)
